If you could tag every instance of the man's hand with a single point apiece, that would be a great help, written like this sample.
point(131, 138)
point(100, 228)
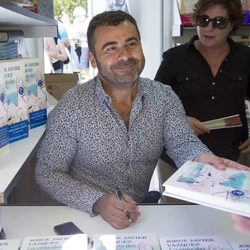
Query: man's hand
point(197, 126)
point(245, 147)
point(219, 163)
point(242, 223)
point(114, 210)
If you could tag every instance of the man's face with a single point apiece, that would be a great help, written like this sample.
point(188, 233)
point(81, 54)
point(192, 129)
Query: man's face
point(118, 54)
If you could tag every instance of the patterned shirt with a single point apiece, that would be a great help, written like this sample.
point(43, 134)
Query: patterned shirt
point(88, 151)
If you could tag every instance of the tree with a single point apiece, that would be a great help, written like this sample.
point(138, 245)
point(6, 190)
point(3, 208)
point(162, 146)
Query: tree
point(68, 6)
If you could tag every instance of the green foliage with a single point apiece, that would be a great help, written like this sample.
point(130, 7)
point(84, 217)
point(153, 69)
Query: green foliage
point(68, 5)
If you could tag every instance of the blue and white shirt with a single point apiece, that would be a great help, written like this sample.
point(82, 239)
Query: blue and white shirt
point(88, 151)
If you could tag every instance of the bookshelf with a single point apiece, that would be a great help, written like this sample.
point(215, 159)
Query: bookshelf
point(182, 33)
point(13, 17)
point(13, 162)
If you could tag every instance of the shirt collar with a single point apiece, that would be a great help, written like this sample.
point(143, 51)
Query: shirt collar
point(103, 97)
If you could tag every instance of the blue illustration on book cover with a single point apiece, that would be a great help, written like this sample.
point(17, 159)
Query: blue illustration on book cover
point(34, 82)
point(4, 134)
point(17, 99)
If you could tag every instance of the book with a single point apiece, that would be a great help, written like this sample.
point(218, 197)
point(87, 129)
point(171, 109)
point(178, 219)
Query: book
point(201, 183)
point(204, 242)
point(10, 50)
point(35, 85)
point(58, 242)
point(10, 35)
point(186, 10)
point(240, 245)
point(224, 122)
point(12, 244)
point(4, 133)
point(17, 99)
point(2, 233)
point(147, 241)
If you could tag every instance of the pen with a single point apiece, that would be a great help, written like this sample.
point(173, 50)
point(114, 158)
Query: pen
point(120, 196)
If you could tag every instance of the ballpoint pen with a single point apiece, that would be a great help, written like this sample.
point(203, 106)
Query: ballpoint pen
point(120, 196)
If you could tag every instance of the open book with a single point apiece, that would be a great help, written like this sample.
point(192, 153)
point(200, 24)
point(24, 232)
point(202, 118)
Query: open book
point(224, 122)
point(202, 183)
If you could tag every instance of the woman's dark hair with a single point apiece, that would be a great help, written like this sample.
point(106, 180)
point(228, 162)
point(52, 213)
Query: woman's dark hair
point(233, 7)
point(107, 18)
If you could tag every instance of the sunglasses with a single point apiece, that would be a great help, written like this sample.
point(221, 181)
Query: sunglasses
point(218, 22)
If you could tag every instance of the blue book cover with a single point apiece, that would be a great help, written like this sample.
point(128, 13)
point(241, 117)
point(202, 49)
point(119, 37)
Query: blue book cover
point(35, 85)
point(4, 135)
point(16, 98)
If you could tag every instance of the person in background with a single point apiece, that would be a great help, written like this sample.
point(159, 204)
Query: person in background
point(108, 133)
point(211, 76)
point(69, 41)
point(54, 55)
point(80, 25)
point(117, 5)
point(242, 223)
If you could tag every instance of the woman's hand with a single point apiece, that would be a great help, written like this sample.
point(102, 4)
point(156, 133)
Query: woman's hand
point(245, 146)
point(197, 126)
point(242, 223)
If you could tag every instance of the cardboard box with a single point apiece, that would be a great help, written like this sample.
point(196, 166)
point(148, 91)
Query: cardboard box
point(58, 84)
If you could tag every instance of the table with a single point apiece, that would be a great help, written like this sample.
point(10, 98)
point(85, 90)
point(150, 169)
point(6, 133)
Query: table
point(165, 220)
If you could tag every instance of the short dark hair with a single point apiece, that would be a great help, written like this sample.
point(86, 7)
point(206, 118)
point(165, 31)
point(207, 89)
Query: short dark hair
point(107, 18)
point(233, 7)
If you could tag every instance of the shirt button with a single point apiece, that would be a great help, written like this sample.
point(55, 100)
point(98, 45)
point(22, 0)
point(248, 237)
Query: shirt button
point(221, 70)
point(212, 97)
point(239, 78)
point(187, 78)
point(213, 83)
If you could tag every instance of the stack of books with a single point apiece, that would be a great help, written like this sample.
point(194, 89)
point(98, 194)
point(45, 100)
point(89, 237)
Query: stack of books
point(9, 44)
point(124, 241)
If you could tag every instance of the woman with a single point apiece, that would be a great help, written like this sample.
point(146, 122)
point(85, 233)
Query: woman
point(211, 75)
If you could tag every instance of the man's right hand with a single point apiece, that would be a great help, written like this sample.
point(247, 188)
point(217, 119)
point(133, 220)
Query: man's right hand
point(197, 126)
point(114, 210)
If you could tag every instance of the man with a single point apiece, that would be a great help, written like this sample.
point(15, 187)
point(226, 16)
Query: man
point(108, 133)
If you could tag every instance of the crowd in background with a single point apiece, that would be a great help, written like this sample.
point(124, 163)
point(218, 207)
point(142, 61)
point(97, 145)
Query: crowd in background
point(68, 52)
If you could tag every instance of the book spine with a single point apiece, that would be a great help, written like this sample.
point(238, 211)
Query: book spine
point(10, 35)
